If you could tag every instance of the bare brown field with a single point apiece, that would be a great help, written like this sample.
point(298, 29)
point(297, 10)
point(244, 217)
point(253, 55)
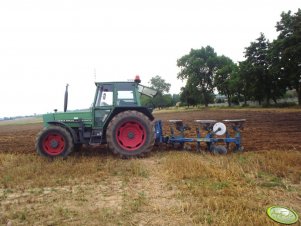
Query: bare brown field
point(264, 129)
point(93, 187)
point(276, 129)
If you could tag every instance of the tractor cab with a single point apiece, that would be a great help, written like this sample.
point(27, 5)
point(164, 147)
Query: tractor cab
point(121, 93)
point(112, 96)
point(116, 94)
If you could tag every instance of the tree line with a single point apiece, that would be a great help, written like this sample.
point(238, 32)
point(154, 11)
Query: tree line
point(268, 71)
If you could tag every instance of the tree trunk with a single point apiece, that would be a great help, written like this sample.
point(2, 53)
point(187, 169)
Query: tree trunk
point(267, 101)
point(298, 90)
point(205, 99)
point(229, 100)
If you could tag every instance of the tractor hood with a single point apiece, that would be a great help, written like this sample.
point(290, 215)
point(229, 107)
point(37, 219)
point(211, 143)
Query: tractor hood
point(69, 118)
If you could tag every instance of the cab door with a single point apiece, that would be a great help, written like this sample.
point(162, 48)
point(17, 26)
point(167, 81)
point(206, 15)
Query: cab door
point(103, 104)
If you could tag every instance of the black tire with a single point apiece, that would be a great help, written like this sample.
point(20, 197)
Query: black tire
point(54, 141)
point(130, 133)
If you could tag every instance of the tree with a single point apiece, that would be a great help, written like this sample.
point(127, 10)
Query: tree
point(244, 80)
point(159, 84)
point(147, 101)
point(175, 98)
point(279, 82)
point(287, 50)
point(199, 68)
point(162, 99)
point(168, 101)
point(189, 96)
point(257, 57)
point(225, 79)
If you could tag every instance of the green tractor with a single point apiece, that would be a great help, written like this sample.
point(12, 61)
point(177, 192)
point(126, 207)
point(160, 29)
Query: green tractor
point(116, 119)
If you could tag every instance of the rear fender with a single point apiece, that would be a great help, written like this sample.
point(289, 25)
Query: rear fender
point(69, 129)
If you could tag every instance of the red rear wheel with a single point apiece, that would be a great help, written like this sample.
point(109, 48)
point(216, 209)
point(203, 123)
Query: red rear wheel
point(130, 133)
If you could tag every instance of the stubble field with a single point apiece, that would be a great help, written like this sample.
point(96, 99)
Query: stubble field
point(169, 187)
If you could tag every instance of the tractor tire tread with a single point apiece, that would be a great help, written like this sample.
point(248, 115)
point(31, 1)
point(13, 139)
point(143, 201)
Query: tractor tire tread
point(45, 130)
point(150, 131)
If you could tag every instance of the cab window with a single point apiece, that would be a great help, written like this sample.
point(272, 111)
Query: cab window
point(105, 96)
point(125, 94)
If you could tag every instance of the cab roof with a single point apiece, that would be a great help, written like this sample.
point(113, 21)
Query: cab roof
point(105, 83)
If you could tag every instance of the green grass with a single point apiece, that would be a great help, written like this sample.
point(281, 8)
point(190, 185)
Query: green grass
point(22, 121)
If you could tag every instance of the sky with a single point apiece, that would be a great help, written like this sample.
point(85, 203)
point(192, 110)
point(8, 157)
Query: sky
point(46, 44)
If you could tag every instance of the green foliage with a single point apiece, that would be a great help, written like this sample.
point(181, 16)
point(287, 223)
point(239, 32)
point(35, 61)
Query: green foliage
point(287, 49)
point(146, 101)
point(244, 80)
point(226, 80)
point(260, 72)
point(159, 84)
point(189, 95)
point(161, 99)
point(199, 68)
point(270, 68)
point(176, 98)
point(257, 57)
point(234, 100)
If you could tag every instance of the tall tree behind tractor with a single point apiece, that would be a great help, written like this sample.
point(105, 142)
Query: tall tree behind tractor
point(116, 118)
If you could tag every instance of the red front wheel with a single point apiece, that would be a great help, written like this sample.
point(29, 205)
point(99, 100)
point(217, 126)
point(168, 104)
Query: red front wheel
point(54, 141)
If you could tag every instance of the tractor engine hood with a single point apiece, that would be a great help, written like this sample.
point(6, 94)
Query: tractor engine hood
point(69, 118)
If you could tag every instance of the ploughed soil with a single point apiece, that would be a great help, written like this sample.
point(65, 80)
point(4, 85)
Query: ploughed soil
point(264, 129)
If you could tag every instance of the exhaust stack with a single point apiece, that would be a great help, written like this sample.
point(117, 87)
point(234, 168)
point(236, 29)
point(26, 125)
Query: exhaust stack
point(66, 98)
